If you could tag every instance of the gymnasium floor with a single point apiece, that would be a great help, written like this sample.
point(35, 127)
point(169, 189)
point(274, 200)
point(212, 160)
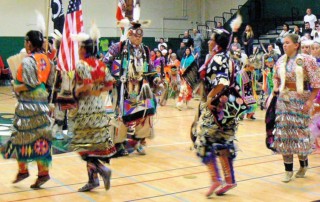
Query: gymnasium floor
point(169, 172)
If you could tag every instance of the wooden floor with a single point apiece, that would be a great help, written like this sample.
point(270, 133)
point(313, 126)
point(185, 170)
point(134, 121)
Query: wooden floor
point(170, 171)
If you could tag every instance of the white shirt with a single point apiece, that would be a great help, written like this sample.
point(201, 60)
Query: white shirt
point(164, 44)
point(311, 19)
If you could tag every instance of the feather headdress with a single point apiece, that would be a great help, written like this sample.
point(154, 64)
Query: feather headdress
point(57, 38)
point(95, 34)
point(235, 24)
point(132, 22)
point(41, 25)
point(80, 37)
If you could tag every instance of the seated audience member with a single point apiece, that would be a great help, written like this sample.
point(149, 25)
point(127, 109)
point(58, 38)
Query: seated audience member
point(307, 29)
point(235, 46)
point(296, 30)
point(219, 25)
point(162, 43)
point(306, 46)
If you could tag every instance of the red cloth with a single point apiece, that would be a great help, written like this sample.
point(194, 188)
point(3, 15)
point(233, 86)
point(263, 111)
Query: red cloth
point(68, 54)
point(1, 63)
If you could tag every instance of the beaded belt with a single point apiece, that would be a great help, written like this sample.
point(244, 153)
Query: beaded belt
point(291, 86)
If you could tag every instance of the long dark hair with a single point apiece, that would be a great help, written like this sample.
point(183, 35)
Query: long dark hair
point(158, 51)
point(36, 39)
point(185, 55)
point(287, 26)
point(222, 40)
point(91, 47)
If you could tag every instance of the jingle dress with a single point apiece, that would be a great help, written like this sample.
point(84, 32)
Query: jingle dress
point(31, 136)
point(247, 83)
point(292, 135)
point(268, 81)
point(185, 89)
point(91, 124)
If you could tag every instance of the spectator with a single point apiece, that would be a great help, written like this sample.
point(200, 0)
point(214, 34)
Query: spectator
point(296, 30)
point(307, 28)
point(168, 59)
point(272, 53)
point(306, 46)
point(315, 47)
point(174, 62)
point(247, 40)
point(315, 50)
point(162, 43)
point(197, 41)
point(152, 56)
point(281, 37)
point(306, 36)
point(219, 25)
point(187, 39)
point(310, 18)
point(181, 51)
point(235, 46)
point(159, 63)
point(164, 53)
point(315, 34)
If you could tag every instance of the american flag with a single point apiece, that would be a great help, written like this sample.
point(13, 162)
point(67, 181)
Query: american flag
point(68, 54)
point(120, 14)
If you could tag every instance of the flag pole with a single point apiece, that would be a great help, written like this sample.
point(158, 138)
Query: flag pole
point(51, 105)
point(47, 30)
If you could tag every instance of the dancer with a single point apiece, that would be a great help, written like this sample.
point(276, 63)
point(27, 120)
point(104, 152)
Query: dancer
point(63, 97)
point(185, 94)
point(91, 124)
point(133, 87)
point(247, 82)
point(214, 138)
point(158, 65)
point(294, 72)
point(31, 138)
point(267, 85)
point(172, 80)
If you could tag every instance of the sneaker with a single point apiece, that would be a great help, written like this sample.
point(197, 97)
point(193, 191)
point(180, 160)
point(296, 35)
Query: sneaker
point(301, 172)
point(222, 190)
point(287, 176)
point(213, 187)
point(40, 181)
point(20, 177)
